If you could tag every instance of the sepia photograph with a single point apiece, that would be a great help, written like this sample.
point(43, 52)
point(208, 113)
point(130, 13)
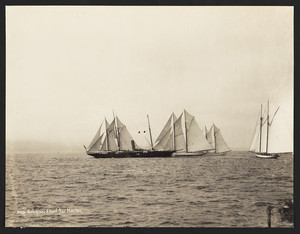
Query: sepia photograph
point(149, 116)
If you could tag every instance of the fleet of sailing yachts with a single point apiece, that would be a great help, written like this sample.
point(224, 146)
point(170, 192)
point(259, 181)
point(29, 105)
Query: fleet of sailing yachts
point(116, 141)
point(182, 137)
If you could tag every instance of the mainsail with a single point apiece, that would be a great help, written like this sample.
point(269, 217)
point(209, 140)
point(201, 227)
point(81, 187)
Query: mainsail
point(163, 143)
point(179, 136)
point(210, 137)
point(188, 117)
point(176, 137)
point(216, 140)
point(124, 136)
point(221, 145)
point(104, 145)
point(170, 143)
point(171, 137)
point(195, 140)
point(111, 137)
point(205, 132)
point(166, 127)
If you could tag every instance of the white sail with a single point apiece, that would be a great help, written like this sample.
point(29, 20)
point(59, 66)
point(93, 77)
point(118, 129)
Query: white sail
point(106, 125)
point(125, 139)
point(97, 145)
point(111, 137)
point(166, 127)
point(179, 136)
point(165, 140)
point(162, 144)
point(210, 137)
point(104, 145)
point(96, 138)
point(176, 139)
point(174, 117)
point(281, 132)
point(255, 141)
point(124, 136)
point(221, 145)
point(170, 142)
point(195, 138)
point(188, 117)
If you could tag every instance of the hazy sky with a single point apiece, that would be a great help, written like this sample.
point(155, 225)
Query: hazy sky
point(68, 67)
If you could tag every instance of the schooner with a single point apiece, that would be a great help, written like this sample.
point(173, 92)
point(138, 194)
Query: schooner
point(116, 142)
point(265, 142)
point(190, 142)
point(215, 138)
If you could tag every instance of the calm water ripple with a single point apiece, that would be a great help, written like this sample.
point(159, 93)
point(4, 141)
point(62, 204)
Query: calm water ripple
point(76, 190)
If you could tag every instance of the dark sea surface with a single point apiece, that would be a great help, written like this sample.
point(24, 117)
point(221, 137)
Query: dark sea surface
point(76, 190)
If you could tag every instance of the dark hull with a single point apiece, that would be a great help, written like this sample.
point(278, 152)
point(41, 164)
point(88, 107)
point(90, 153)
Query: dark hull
point(133, 154)
point(189, 154)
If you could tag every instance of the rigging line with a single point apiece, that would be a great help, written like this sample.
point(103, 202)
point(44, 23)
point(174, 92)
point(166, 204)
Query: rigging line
point(264, 122)
point(166, 133)
point(162, 130)
point(147, 141)
point(190, 123)
point(274, 116)
point(268, 117)
point(258, 118)
point(164, 137)
point(120, 128)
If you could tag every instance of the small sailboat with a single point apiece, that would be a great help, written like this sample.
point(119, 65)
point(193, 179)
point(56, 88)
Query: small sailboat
point(261, 141)
point(117, 142)
point(188, 144)
point(215, 138)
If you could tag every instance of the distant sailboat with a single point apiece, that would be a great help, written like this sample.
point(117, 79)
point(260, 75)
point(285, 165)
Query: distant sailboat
point(215, 138)
point(118, 143)
point(172, 137)
point(265, 142)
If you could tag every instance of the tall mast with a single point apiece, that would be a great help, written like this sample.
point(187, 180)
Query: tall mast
point(260, 128)
point(117, 131)
point(267, 129)
point(107, 138)
point(174, 143)
point(215, 138)
point(150, 133)
point(186, 137)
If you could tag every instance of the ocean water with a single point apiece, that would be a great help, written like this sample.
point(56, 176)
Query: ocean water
point(76, 190)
